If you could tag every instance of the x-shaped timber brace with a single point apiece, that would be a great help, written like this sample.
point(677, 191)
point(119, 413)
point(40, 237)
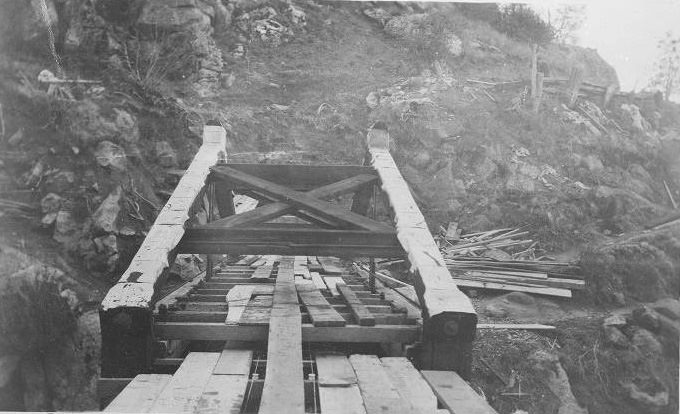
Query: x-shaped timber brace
point(449, 320)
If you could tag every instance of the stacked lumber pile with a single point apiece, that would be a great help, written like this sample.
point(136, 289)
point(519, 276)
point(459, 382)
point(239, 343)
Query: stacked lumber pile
point(504, 259)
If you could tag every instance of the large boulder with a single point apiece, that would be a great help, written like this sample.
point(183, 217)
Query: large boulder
point(89, 122)
point(110, 155)
point(175, 16)
point(106, 216)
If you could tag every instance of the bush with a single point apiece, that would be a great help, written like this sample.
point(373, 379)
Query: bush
point(485, 12)
point(520, 22)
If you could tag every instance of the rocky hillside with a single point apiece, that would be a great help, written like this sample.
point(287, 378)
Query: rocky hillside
point(103, 103)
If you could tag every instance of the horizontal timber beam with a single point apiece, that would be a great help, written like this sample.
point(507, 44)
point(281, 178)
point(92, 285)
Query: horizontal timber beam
point(293, 240)
point(449, 319)
point(300, 177)
point(218, 331)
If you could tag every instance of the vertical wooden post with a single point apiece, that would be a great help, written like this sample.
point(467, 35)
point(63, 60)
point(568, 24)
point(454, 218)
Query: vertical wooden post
point(371, 275)
point(575, 79)
point(209, 265)
point(539, 92)
point(608, 94)
point(126, 342)
point(534, 69)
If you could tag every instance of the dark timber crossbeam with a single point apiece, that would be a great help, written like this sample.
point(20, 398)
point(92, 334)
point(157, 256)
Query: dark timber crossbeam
point(449, 320)
point(276, 239)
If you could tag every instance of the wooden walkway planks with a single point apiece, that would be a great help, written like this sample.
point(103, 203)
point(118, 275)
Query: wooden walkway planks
point(377, 391)
point(226, 388)
point(320, 311)
point(258, 311)
point(362, 315)
point(262, 273)
point(338, 389)
point(283, 390)
point(456, 394)
point(330, 266)
point(184, 390)
point(140, 394)
point(237, 299)
point(332, 283)
point(410, 384)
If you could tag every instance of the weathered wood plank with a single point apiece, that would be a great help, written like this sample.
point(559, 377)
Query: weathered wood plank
point(234, 362)
point(222, 394)
point(330, 266)
point(158, 247)
point(320, 311)
point(262, 273)
point(237, 300)
point(449, 317)
point(362, 315)
point(258, 311)
point(298, 199)
point(338, 389)
point(318, 281)
point(332, 282)
point(182, 393)
point(410, 384)
point(377, 391)
point(283, 390)
point(302, 177)
point(287, 240)
point(456, 394)
point(140, 394)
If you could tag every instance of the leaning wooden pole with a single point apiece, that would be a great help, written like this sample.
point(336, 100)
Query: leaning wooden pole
point(449, 320)
point(126, 311)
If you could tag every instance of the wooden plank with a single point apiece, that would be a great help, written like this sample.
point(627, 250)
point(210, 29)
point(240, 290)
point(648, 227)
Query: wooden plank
point(108, 388)
point(298, 199)
point(318, 281)
point(377, 391)
point(547, 291)
point(397, 300)
point(334, 370)
point(262, 273)
point(330, 266)
point(362, 315)
point(222, 394)
point(338, 389)
point(455, 394)
point(332, 283)
point(158, 248)
point(258, 311)
point(237, 299)
point(277, 209)
point(140, 394)
point(320, 311)
point(450, 318)
point(410, 384)
point(234, 362)
point(184, 390)
point(283, 390)
point(302, 177)
point(247, 260)
point(287, 240)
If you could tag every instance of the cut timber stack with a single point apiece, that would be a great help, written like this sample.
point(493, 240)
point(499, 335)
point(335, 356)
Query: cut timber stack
point(483, 261)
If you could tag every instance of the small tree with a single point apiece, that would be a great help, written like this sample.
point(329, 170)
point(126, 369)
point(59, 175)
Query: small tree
point(667, 71)
point(520, 22)
point(566, 20)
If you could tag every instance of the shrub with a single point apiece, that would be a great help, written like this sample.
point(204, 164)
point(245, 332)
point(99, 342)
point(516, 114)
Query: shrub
point(485, 12)
point(520, 22)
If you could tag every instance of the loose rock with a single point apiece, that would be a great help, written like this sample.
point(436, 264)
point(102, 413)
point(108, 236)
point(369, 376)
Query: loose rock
point(106, 215)
point(111, 155)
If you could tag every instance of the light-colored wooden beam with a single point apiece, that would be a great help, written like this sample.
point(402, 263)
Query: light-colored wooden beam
point(448, 315)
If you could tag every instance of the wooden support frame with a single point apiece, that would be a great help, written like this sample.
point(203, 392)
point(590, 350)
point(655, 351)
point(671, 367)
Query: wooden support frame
point(297, 199)
point(449, 319)
point(126, 311)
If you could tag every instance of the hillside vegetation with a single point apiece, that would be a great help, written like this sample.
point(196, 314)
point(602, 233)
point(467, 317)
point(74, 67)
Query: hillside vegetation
point(89, 165)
